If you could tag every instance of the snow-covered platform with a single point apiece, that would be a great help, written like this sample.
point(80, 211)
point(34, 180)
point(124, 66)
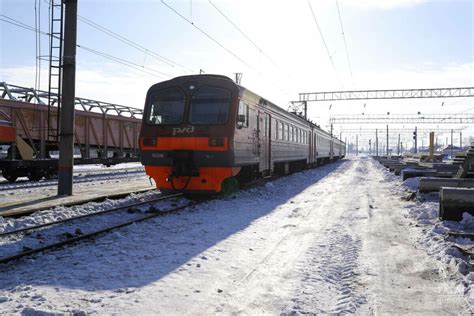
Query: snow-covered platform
point(20, 201)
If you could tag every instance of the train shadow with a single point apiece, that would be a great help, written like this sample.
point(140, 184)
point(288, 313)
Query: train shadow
point(144, 253)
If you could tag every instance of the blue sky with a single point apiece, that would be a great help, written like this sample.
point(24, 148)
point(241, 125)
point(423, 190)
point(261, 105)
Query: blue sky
point(439, 32)
point(391, 44)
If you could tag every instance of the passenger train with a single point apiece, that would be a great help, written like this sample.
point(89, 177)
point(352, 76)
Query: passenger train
point(205, 134)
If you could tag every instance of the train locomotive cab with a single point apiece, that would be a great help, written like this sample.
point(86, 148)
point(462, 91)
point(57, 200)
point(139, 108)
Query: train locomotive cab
point(187, 133)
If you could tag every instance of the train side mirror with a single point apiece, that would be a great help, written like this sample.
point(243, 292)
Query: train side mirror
point(240, 120)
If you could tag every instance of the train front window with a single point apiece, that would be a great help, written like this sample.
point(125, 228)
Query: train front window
point(209, 105)
point(166, 107)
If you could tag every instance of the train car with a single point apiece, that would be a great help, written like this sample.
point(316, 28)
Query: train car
point(104, 133)
point(205, 133)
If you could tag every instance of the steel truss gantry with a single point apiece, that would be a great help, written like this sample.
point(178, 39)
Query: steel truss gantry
point(402, 119)
point(402, 131)
point(30, 95)
point(388, 94)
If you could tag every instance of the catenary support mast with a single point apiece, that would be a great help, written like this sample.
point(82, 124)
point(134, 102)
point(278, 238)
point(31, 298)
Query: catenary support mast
point(66, 145)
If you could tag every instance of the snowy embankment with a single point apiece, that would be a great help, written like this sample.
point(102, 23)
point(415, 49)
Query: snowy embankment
point(331, 240)
point(434, 237)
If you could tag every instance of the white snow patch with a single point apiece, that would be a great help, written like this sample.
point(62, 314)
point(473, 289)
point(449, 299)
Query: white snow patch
point(412, 183)
point(434, 237)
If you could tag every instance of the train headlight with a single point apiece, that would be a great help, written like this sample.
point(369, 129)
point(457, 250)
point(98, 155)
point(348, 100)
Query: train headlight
point(216, 141)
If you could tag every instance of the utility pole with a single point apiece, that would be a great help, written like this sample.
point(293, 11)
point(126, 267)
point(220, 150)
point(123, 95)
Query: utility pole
point(398, 146)
point(66, 144)
point(376, 142)
point(431, 146)
point(370, 147)
point(347, 145)
point(415, 138)
point(387, 143)
point(452, 149)
point(357, 144)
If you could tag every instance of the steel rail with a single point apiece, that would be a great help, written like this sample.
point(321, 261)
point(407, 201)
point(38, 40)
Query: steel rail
point(25, 229)
point(92, 234)
point(7, 186)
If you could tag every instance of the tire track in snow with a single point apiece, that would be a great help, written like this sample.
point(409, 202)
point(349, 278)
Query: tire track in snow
point(330, 277)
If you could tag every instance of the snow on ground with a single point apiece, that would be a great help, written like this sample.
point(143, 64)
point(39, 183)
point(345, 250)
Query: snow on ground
point(434, 237)
point(86, 183)
point(82, 173)
point(336, 239)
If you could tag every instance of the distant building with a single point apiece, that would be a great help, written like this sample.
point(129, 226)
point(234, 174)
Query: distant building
point(455, 149)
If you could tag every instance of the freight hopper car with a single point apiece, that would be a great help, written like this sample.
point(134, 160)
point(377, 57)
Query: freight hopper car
point(205, 134)
point(104, 133)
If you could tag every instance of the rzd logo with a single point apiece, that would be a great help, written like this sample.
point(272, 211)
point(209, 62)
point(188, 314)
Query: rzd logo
point(183, 130)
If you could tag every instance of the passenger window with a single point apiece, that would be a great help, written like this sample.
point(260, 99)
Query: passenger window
point(243, 115)
point(280, 127)
point(166, 107)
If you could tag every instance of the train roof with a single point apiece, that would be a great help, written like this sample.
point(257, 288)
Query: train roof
point(242, 89)
point(293, 115)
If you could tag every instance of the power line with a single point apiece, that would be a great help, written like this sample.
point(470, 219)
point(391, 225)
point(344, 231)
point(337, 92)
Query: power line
point(132, 43)
point(122, 61)
point(243, 34)
point(104, 55)
point(207, 35)
point(344, 38)
point(324, 42)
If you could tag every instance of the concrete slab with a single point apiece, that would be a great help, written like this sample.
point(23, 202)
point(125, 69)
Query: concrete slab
point(434, 184)
point(453, 202)
point(412, 173)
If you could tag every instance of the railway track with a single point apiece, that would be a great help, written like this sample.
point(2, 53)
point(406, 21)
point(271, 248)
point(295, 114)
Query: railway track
point(7, 186)
point(79, 236)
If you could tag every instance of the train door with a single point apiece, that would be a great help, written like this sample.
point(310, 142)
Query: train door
point(331, 148)
point(310, 141)
point(263, 126)
point(315, 148)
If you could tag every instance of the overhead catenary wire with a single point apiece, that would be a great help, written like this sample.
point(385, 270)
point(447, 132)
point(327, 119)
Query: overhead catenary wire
point(133, 44)
point(218, 43)
point(243, 33)
point(141, 68)
point(344, 38)
point(122, 61)
point(207, 35)
point(324, 42)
